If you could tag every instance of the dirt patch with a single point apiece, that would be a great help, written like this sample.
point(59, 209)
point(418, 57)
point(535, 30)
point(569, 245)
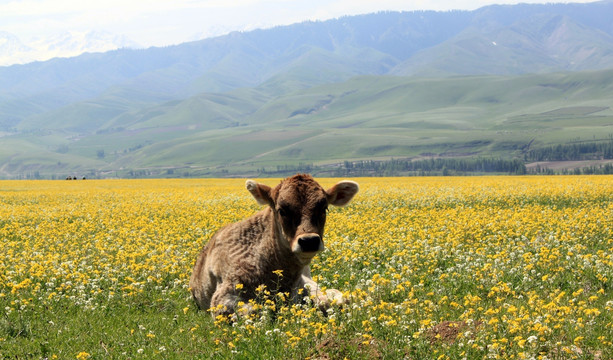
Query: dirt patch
point(448, 331)
point(331, 348)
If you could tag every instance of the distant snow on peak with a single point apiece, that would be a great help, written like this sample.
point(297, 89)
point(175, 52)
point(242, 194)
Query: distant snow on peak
point(14, 51)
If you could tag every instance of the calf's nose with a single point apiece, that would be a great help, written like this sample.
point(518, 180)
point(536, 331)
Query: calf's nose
point(310, 243)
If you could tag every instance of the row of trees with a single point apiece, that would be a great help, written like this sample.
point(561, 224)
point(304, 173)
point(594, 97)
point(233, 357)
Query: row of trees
point(406, 167)
point(575, 151)
point(606, 169)
point(438, 166)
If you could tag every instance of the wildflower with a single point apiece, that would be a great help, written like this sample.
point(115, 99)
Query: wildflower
point(278, 272)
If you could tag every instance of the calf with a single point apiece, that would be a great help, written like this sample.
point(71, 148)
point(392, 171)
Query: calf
point(284, 236)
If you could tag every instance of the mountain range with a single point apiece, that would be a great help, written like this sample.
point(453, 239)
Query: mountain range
point(14, 51)
point(391, 84)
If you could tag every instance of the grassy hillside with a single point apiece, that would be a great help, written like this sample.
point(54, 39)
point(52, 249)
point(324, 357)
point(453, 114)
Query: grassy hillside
point(366, 117)
point(541, 42)
point(496, 40)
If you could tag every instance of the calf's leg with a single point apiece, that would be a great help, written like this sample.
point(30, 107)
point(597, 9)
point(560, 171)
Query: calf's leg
point(202, 283)
point(323, 300)
point(224, 299)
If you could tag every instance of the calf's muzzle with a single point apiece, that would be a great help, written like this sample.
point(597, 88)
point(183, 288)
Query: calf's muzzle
point(310, 243)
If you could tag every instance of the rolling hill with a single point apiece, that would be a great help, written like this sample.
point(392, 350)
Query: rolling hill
point(491, 82)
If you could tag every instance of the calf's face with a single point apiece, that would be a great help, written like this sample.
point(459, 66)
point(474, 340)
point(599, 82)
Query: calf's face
point(299, 207)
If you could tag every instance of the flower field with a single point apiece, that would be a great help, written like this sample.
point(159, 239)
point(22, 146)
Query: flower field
point(436, 268)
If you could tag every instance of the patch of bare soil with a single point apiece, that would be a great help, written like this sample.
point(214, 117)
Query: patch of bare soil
point(331, 348)
point(448, 331)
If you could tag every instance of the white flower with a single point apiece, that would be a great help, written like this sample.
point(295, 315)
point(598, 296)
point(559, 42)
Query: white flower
point(532, 339)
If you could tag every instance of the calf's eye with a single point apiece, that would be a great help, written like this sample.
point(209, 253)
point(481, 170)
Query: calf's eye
point(283, 212)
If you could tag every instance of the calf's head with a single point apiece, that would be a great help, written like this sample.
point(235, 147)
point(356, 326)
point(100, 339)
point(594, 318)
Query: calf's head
point(299, 205)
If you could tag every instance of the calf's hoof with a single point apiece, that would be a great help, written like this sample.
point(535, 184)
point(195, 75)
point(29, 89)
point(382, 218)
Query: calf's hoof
point(331, 298)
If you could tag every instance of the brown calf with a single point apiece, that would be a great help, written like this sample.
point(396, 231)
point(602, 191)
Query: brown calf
point(285, 236)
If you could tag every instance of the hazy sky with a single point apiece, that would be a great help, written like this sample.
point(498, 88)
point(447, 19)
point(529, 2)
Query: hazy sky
point(164, 22)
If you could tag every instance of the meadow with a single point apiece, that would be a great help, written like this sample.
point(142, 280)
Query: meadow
point(436, 268)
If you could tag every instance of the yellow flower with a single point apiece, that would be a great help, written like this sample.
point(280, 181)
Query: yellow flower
point(83, 355)
point(279, 272)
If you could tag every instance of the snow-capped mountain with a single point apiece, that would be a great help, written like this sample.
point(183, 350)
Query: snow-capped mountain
point(14, 51)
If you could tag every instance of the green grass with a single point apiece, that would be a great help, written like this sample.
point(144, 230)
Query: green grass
point(162, 322)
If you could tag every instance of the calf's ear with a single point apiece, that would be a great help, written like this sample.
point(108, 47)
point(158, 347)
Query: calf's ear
point(342, 193)
point(260, 192)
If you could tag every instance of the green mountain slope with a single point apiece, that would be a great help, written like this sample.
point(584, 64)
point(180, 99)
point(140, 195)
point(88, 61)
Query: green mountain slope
point(367, 117)
point(540, 43)
point(528, 38)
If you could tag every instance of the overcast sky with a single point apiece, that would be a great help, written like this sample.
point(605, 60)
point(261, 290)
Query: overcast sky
point(165, 22)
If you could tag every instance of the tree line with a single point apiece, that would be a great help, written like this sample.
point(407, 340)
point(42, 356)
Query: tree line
point(594, 150)
point(606, 169)
point(432, 167)
point(406, 167)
